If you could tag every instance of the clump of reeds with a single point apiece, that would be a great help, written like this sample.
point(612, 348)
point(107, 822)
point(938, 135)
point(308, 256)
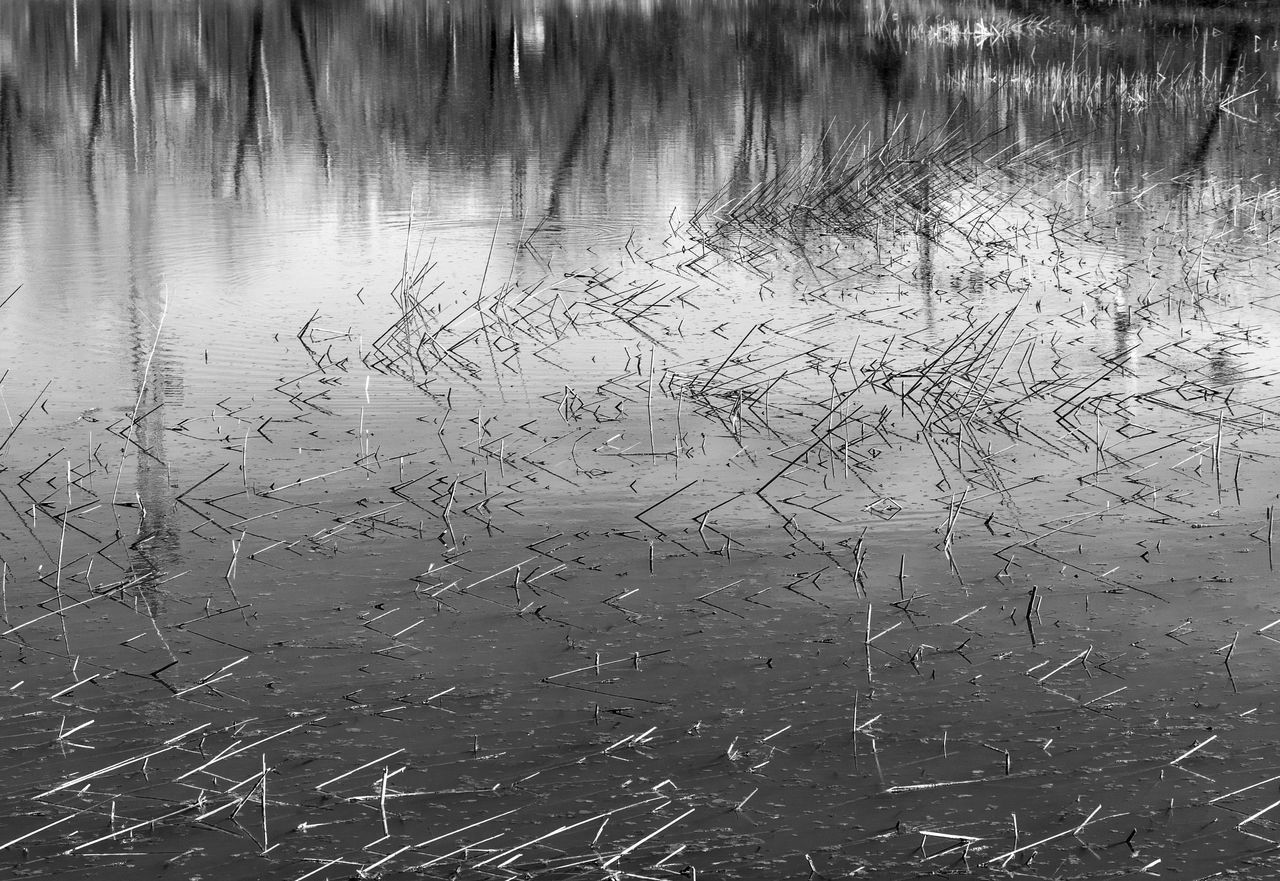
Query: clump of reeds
point(1087, 84)
point(913, 182)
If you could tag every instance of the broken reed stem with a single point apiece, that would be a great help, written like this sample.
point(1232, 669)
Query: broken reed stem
point(653, 453)
point(127, 829)
point(1223, 796)
point(236, 749)
point(497, 222)
point(323, 866)
point(867, 644)
point(368, 870)
point(1005, 857)
point(347, 774)
point(609, 862)
point(83, 778)
point(1079, 657)
point(565, 828)
point(62, 543)
point(235, 558)
point(382, 802)
point(1195, 749)
point(62, 539)
point(265, 843)
point(1252, 817)
point(1217, 446)
point(35, 832)
point(23, 418)
point(679, 406)
point(146, 369)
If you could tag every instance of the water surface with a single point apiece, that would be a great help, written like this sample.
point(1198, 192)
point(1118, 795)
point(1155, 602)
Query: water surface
point(568, 438)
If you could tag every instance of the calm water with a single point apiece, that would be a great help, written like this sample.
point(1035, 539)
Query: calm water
point(258, 160)
point(427, 433)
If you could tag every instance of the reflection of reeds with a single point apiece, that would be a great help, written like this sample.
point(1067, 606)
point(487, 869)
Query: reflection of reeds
point(1088, 85)
point(977, 31)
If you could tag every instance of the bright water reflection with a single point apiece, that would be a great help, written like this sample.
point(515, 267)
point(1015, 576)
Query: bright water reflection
point(248, 147)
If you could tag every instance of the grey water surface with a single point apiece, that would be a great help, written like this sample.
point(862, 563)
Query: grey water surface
point(638, 439)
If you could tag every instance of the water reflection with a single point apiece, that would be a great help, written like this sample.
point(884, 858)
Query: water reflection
point(208, 91)
point(1231, 70)
point(292, 140)
point(154, 381)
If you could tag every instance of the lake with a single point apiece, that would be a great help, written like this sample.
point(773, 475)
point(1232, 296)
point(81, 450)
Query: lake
point(638, 440)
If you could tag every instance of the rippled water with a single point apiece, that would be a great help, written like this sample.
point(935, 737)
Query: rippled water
point(785, 439)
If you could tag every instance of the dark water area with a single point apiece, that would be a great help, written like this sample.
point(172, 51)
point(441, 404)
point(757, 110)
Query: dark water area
point(638, 440)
